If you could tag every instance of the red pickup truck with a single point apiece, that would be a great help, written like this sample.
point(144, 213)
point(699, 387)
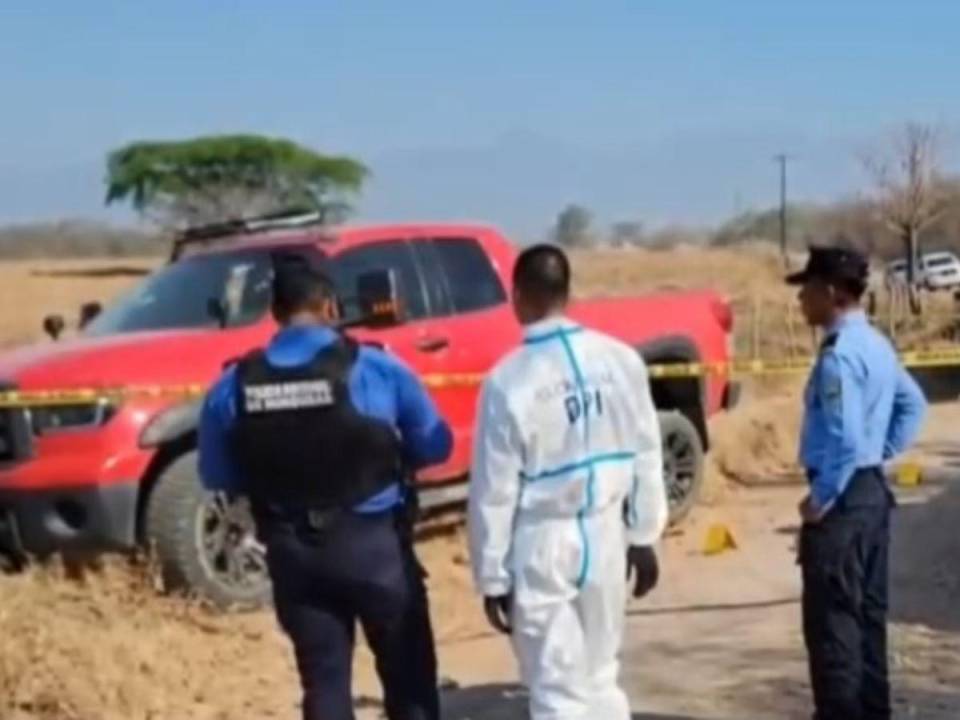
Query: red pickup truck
point(117, 475)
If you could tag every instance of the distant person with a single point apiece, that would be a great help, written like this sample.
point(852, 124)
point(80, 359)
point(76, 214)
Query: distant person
point(317, 431)
point(861, 408)
point(567, 498)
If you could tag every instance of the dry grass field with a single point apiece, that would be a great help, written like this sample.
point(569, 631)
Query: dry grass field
point(32, 289)
point(767, 322)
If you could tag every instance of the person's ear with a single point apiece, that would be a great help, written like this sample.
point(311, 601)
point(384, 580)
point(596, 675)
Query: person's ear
point(832, 294)
point(330, 310)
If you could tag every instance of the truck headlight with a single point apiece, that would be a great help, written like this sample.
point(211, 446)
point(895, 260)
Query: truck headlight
point(50, 419)
point(170, 424)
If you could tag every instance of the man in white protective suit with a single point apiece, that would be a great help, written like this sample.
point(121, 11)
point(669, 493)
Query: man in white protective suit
point(567, 498)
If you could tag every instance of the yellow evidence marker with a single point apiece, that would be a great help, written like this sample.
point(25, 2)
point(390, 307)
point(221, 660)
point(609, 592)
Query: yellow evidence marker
point(909, 474)
point(718, 539)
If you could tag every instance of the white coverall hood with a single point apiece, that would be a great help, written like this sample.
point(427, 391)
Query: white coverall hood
point(567, 470)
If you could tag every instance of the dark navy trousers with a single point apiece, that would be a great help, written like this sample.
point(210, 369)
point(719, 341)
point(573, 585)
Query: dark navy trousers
point(844, 559)
point(360, 568)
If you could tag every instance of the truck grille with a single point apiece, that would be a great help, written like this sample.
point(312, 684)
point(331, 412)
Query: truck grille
point(7, 451)
point(15, 437)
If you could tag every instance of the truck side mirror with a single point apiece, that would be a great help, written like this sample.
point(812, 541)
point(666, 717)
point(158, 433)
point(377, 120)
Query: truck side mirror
point(53, 325)
point(378, 299)
point(217, 310)
point(88, 311)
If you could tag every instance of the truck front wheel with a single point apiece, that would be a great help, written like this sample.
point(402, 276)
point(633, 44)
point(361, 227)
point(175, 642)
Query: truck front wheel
point(205, 542)
point(683, 462)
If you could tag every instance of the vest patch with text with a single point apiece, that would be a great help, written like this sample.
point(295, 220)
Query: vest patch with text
point(287, 396)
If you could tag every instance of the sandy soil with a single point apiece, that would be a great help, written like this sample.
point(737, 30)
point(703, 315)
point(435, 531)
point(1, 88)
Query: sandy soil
point(718, 639)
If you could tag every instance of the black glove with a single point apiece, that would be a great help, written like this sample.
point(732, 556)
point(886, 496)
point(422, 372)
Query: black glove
point(497, 609)
point(642, 563)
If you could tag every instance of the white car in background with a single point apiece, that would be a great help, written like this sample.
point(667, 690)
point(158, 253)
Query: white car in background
point(936, 271)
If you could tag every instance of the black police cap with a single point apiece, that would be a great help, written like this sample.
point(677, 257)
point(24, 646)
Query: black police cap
point(832, 264)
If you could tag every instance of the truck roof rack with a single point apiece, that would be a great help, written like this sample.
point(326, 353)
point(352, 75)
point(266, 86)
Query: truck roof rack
point(282, 220)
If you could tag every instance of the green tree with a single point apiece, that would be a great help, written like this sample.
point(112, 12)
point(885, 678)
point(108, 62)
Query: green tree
point(216, 178)
point(628, 233)
point(572, 228)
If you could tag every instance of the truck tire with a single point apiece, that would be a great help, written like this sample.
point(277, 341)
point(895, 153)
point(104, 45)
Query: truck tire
point(683, 462)
point(204, 543)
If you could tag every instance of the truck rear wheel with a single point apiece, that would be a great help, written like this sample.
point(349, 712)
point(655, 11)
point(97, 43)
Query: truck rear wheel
point(204, 542)
point(683, 462)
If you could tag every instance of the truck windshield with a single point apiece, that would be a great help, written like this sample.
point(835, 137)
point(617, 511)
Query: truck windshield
point(180, 295)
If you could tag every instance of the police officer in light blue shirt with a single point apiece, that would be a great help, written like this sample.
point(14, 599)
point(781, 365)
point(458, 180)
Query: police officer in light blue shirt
point(861, 408)
point(318, 431)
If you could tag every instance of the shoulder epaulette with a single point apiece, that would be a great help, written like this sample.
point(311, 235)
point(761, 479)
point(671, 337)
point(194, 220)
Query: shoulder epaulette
point(348, 346)
point(249, 359)
point(828, 342)
point(238, 359)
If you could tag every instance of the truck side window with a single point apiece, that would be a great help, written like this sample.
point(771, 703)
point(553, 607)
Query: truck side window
point(472, 283)
point(396, 255)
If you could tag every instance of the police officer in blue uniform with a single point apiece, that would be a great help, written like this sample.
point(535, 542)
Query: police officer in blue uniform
point(318, 432)
point(861, 408)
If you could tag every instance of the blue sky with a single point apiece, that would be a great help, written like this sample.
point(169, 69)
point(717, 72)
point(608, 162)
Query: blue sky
point(503, 111)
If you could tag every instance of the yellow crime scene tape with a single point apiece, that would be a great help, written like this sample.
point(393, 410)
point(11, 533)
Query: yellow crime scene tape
point(82, 396)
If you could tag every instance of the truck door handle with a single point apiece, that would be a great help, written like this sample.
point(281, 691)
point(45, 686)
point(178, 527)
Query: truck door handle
point(432, 343)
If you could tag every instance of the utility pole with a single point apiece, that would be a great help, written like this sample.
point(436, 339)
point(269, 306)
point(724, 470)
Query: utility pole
point(782, 159)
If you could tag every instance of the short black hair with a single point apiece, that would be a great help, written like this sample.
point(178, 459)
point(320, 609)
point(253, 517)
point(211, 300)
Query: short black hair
point(542, 273)
point(298, 284)
point(854, 287)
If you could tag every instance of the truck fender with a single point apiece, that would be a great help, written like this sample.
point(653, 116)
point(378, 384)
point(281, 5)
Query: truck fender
point(688, 395)
point(171, 423)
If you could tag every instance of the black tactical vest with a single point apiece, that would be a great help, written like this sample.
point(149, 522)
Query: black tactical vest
point(303, 444)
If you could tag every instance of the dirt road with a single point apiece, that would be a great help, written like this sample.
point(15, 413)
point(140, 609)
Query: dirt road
point(720, 637)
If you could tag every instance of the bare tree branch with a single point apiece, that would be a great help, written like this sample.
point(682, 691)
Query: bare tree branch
point(910, 190)
point(909, 184)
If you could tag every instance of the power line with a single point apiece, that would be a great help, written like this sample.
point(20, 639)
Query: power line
point(782, 159)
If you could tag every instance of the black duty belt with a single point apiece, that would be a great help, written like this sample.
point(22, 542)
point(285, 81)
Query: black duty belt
point(322, 520)
point(867, 470)
point(852, 494)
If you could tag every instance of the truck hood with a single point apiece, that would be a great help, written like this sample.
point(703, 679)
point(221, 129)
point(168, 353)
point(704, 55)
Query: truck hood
point(155, 358)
